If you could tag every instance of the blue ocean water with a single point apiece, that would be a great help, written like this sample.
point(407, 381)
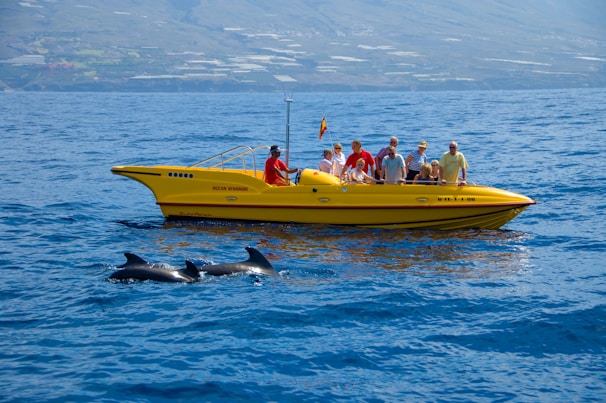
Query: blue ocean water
point(517, 314)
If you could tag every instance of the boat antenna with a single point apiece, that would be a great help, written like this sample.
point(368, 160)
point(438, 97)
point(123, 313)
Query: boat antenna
point(329, 133)
point(288, 101)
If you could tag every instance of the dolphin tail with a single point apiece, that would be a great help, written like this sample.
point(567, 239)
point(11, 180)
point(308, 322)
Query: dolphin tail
point(191, 270)
point(131, 259)
point(258, 257)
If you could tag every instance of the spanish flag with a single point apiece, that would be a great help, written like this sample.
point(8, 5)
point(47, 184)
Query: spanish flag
point(323, 127)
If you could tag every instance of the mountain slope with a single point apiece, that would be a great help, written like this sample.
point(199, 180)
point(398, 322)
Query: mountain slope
point(261, 45)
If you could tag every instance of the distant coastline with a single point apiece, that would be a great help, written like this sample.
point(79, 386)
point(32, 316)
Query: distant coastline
point(261, 46)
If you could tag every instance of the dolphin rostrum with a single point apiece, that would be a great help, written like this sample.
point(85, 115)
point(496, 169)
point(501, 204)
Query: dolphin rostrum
point(137, 268)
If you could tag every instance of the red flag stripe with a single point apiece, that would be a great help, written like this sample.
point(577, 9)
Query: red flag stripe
point(323, 127)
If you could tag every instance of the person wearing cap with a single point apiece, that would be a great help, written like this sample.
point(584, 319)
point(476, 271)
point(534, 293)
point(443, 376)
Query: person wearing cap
point(327, 164)
point(393, 142)
point(276, 171)
point(414, 161)
point(450, 163)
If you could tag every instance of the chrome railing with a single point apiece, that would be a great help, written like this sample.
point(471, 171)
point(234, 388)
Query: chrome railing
point(226, 158)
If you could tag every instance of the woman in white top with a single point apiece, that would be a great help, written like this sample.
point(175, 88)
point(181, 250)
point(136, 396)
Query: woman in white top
point(358, 175)
point(338, 159)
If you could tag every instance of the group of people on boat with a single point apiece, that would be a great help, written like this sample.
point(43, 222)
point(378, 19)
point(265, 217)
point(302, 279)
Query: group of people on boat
point(387, 167)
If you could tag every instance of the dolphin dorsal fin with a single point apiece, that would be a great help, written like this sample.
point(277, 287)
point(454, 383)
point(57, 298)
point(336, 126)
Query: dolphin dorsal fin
point(131, 258)
point(191, 269)
point(258, 257)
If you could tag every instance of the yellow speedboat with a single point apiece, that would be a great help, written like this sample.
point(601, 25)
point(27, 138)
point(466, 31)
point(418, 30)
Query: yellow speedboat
point(215, 189)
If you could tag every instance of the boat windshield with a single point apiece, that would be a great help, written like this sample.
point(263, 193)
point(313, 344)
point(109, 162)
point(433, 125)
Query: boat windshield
point(240, 157)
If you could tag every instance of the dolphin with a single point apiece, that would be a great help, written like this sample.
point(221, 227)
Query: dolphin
point(137, 268)
point(134, 261)
point(255, 264)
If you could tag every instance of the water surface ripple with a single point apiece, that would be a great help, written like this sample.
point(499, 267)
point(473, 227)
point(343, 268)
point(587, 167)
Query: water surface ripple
point(517, 314)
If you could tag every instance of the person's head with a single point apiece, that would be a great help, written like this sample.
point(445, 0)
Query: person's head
point(422, 146)
point(356, 145)
point(275, 151)
point(360, 163)
point(338, 147)
point(425, 170)
point(435, 165)
point(452, 147)
point(393, 141)
point(391, 152)
point(327, 153)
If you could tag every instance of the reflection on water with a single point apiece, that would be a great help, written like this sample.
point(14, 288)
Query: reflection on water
point(465, 253)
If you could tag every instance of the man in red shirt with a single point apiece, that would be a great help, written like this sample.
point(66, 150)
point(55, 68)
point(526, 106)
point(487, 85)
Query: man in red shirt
point(358, 153)
point(275, 168)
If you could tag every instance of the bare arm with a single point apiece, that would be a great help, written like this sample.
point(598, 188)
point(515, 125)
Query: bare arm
point(344, 170)
point(279, 173)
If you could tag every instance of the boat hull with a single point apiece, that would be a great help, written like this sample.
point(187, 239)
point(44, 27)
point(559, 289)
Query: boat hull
point(319, 198)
